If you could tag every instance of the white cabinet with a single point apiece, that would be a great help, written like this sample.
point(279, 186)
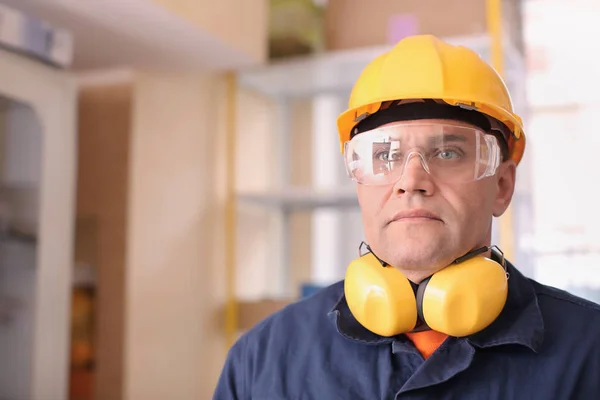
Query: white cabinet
point(37, 203)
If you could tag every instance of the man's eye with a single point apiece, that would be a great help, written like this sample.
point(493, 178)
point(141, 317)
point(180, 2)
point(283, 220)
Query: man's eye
point(389, 156)
point(448, 154)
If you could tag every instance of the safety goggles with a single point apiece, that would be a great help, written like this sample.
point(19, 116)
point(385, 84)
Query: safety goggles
point(449, 153)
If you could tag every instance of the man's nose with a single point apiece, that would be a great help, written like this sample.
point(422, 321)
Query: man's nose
point(416, 177)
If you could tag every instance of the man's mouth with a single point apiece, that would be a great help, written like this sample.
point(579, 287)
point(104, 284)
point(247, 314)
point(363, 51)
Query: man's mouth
point(416, 215)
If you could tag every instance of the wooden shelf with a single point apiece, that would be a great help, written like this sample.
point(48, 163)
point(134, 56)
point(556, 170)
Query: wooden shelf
point(301, 199)
point(336, 71)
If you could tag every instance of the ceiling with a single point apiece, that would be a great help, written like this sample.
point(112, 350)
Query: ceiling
point(112, 34)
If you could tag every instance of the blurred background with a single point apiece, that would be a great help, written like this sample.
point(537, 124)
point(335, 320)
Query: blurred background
point(170, 171)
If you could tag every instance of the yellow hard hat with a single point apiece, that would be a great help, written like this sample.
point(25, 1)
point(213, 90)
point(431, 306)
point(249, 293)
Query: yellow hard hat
point(425, 67)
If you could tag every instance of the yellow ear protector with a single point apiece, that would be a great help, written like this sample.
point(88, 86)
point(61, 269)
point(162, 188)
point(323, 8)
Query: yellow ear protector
point(461, 299)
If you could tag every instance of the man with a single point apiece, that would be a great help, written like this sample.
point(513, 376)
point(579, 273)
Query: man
point(430, 310)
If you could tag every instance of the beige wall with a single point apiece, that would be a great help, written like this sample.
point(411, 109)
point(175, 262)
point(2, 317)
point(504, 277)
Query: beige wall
point(152, 178)
point(174, 278)
point(240, 23)
point(150, 206)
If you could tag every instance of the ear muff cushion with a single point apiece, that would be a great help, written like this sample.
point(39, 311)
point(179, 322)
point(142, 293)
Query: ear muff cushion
point(380, 298)
point(465, 298)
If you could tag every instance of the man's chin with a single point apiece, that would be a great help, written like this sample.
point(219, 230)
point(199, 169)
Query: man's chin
point(420, 251)
point(415, 257)
point(419, 237)
point(419, 264)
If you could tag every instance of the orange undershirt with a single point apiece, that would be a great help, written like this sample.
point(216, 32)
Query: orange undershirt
point(427, 341)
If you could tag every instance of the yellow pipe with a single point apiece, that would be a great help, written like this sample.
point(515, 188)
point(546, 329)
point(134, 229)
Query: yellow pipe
point(231, 312)
point(494, 24)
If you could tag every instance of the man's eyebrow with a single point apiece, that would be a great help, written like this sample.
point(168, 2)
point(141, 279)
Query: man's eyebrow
point(450, 137)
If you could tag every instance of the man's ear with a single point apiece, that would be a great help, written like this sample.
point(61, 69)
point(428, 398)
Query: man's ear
point(506, 178)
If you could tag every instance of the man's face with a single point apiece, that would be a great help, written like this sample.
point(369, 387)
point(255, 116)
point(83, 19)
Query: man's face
point(422, 222)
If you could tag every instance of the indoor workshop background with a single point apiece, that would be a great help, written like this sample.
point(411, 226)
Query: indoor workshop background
point(170, 171)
